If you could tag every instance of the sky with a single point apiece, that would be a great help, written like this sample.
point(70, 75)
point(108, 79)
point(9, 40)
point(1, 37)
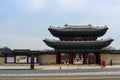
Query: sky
point(24, 23)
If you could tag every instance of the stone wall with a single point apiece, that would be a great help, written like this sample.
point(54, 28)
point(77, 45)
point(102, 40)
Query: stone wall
point(47, 59)
point(2, 60)
point(114, 57)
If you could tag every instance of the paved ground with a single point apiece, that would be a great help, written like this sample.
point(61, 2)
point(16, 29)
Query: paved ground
point(57, 67)
point(63, 72)
point(47, 79)
point(107, 73)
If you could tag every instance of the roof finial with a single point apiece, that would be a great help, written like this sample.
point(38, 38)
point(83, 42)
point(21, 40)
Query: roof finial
point(89, 25)
point(66, 24)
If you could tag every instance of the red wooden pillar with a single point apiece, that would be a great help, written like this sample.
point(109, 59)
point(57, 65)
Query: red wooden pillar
point(58, 58)
point(70, 57)
point(98, 58)
point(85, 58)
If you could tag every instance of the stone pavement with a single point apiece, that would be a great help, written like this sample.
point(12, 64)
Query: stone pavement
point(59, 67)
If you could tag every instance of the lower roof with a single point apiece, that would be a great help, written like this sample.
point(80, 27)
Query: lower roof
point(98, 44)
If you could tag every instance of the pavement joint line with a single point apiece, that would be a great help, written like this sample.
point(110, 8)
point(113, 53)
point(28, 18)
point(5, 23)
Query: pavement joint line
point(64, 74)
point(48, 79)
point(69, 78)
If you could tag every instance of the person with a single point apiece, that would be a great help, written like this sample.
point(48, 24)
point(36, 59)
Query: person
point(103, 64)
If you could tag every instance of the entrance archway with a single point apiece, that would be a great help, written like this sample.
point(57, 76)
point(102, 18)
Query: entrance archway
point(91, 58)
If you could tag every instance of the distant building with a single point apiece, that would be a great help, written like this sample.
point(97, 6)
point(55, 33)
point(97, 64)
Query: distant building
point(77, 44)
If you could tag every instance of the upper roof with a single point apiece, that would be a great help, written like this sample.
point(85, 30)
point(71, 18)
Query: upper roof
point(99, 44)
point(78, 31)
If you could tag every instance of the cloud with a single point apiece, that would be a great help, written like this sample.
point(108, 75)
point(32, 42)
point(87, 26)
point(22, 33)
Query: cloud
point(107, 8)
point(30, 5)
point(72, 5)
point(103, 8)
point(22, 42)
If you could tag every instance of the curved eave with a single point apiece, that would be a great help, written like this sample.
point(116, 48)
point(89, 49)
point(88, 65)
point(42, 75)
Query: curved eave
point(78, 44)
point(57, 32)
